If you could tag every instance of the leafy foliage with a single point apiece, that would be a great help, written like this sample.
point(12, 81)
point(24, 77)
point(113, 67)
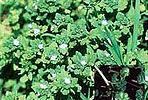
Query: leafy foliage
point(48, 48)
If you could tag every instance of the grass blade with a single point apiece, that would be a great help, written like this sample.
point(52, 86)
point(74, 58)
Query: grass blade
point(115, 56)
point(136, 30)
point(83, 96)
point(129, 47)
point(132, 41)
point(114, 48)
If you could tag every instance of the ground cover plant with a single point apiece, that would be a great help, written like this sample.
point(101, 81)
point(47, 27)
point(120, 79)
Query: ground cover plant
point(57, 49)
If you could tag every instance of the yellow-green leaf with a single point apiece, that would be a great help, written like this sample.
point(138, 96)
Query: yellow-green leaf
point(122, 4)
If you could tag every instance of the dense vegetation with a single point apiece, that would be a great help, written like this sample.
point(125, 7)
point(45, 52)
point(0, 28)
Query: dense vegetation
point(49, 49)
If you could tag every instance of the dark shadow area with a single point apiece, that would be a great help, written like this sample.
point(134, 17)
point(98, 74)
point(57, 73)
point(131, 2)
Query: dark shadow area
point(104, 92)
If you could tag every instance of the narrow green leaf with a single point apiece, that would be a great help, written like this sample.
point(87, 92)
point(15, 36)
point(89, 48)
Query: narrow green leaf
point(115, 56)
point(129, 47)
point(82, 96)
point(114, 47)
point(130, 13)
point(48, 34)
point(136, 30)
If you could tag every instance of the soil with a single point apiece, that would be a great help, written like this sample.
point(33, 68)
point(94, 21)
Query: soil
point(104, 92)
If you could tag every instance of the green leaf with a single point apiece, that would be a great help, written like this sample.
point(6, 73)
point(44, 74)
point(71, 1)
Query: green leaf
point(136, 30)
point(65, 3)
point(114, 47)
point(129, 47)
point(32, 96)
point(87, 72)
point(82, 96)
point(22, 97)
point(27, 16)
point(139, 95)
point(124, 72)
point(2, 63)
point(9, 83)
point(142, 56)
point(130, 13)
point(65, 92)
point(30, 76)
point(24, 78)
point(122, 4)
point(24, 41)
point(121, 96)
point(104, 58)
point(109, 9)
point(122, 18)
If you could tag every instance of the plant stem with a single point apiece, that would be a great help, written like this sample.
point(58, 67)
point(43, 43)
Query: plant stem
point(134, 85)
point(102, 75)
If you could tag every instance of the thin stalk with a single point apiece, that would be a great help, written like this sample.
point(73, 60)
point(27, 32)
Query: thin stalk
point(134, 85)
point(102, 75)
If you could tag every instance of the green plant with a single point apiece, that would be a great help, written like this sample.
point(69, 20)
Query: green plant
point(122, 96)
point(120, 56)
point(124, 57)
point(49, 48)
